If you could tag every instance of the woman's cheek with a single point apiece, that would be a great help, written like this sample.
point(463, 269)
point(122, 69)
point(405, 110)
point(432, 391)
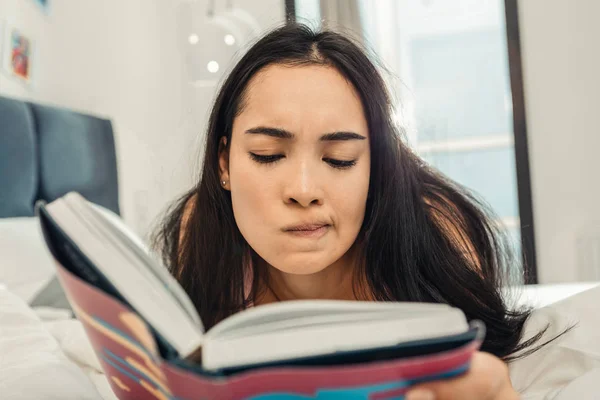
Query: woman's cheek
point(253, 198)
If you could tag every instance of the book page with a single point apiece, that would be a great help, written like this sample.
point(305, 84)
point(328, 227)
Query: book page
point(146, 294)
point(297, 310)
point(149, 265)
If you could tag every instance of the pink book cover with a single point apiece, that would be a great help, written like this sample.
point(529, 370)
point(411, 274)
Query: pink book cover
point(129, 356)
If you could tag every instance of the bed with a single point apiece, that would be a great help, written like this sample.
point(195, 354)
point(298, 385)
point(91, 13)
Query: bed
point(46, 152)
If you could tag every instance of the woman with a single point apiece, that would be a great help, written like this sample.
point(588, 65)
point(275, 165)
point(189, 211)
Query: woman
point(308, 191)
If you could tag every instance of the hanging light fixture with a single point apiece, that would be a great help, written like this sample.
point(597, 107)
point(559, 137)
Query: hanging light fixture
point(211, 39)
point(247, 25)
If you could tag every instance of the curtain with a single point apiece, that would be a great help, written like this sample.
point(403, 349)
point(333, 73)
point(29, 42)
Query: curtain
point(342, 16)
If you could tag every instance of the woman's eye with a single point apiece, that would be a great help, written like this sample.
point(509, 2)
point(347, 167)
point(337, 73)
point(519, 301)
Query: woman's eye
point(340, 164)
point(266, 159)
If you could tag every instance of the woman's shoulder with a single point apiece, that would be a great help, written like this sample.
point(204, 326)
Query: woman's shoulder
point(186, 214)
point(189, 205)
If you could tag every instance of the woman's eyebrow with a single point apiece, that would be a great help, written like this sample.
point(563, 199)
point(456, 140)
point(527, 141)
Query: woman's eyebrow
point(342, 136)
point(283, 134)
point(273, 132)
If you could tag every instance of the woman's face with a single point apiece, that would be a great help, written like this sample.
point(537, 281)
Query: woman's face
point(298, 167)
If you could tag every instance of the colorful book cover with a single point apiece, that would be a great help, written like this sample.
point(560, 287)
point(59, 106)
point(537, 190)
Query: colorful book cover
point(131, 360)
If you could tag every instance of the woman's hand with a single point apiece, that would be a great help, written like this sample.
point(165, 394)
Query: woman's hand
point(487, 379)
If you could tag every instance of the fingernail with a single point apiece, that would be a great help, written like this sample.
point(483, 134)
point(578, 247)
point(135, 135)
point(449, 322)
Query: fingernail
point(420, 394)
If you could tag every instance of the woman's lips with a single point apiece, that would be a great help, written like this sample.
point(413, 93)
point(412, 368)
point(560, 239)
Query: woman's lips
point(314, 231)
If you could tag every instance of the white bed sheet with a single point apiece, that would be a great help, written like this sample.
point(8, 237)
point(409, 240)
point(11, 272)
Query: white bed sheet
point(46, 355)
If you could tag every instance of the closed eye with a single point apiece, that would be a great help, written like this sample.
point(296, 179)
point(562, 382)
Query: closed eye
point(266, 159)
point(340, 164)
point(272, 158)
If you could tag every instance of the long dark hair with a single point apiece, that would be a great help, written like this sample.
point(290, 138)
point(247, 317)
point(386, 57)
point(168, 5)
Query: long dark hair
point(424, 238)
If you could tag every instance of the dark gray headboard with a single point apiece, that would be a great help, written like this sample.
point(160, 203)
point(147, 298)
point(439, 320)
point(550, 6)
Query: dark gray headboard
point(46, 152)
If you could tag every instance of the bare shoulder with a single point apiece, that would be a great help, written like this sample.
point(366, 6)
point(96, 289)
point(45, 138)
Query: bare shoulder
point(188, 209)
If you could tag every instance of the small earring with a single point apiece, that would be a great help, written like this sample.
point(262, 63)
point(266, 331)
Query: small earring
point(223, 183)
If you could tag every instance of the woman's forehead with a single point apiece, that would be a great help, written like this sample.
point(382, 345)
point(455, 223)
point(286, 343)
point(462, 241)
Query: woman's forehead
point(303, 97)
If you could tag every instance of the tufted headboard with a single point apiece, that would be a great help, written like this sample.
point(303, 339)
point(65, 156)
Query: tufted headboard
point(46, 152)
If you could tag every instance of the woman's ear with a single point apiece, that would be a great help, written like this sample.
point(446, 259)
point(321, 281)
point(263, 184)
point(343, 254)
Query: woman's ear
point(224, 163)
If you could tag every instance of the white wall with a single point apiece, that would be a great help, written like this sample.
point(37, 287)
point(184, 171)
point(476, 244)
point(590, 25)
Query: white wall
point(561, 62)
point(122, 59)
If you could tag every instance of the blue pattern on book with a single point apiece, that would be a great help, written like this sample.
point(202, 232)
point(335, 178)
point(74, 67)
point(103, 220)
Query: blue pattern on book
point(141, 375)
point(361, 392)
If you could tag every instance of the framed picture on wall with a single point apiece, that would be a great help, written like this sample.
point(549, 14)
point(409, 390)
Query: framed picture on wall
point(17, 54)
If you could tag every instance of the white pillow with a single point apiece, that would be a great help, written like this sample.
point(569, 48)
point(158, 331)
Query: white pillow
point(32, 362)
point(26, 265)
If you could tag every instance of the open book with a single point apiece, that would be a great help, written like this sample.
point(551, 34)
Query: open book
point(94, 246)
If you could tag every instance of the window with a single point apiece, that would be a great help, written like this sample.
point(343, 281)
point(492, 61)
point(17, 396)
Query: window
point(450, 62)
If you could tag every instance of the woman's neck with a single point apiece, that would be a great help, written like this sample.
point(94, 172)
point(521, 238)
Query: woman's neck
point(333, 283)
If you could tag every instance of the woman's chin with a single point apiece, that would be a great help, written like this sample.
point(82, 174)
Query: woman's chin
point(301, 270)
point(303, 264)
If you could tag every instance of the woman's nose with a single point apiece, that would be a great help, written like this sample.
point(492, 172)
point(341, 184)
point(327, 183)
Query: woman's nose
point(303, 187)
